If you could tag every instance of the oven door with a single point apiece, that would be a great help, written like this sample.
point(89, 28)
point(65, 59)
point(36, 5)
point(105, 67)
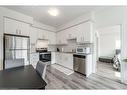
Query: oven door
point(45, 57)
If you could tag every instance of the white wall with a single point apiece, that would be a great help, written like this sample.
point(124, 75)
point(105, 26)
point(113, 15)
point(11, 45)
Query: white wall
point(107, 40)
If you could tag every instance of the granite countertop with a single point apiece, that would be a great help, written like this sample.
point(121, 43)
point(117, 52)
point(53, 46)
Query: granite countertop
point(64, 52)
point(73, 53)
point(82, 53)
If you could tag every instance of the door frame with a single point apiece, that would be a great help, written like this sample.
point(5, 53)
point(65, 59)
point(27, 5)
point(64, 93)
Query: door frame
point(121, 42)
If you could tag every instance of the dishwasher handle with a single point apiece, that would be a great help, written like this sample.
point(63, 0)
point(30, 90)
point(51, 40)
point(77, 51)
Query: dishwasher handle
point(79, 56)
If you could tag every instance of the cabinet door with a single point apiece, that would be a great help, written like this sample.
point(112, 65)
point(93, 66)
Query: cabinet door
point(72, 32)
point(67, 60)
point(23, 29)
point(58, 39)
point(45, 34)
point(52, 38)
point(53, 57)
point(61, 37)
point(33, 35)
point(39, 34)
point(57, 56)
point(85, 32)
point(10, 26)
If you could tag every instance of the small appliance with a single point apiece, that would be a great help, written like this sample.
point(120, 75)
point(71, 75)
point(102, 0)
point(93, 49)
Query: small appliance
point(85, 50)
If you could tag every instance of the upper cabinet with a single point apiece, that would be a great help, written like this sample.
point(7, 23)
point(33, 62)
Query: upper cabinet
point(83, 33)
point(33, 35)
point(37, 33)
point(40, 34)
point(16, 27)
point(52, 37)
point(61, 37)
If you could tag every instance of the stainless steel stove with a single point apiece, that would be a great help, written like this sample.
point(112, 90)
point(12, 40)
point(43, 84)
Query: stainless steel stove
point(44, 54)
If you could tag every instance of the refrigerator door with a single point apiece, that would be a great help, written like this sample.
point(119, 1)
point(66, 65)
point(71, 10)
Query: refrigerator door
point(16, 51)
point(21, 43)
point(25, 43)
point(9, 47)
point(18, 42)
point(9, 42)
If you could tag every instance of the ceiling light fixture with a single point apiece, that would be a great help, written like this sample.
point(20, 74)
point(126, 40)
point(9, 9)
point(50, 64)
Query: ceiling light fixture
point(53, 12)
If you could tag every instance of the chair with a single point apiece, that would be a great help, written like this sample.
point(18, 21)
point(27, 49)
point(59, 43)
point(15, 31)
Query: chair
point(41, 69)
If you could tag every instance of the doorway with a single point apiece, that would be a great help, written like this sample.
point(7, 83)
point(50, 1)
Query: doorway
point(108, 52)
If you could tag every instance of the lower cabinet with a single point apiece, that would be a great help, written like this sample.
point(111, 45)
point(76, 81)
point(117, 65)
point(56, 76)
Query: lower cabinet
point(67, 60)
point(63, 59)
point(34, 58)
point(53, 57)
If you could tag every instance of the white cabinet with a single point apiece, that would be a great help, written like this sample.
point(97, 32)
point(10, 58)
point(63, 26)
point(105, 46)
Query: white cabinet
point(89, 65)
point(72, 32)
point(82, 32)
point(24, 29)
point(16, 27)
point(67, 60)
point(58, 58)
point(39, 34)
point(61, 37)
point(34, 58)
point(85, 33)
point(10, 26)
point(63, 59)
point(53, 57)
point(58, 39)
point(52, 37)
point(33, 35)
point(43, 34)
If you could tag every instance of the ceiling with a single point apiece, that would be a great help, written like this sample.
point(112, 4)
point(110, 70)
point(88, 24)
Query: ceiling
point(67, 13)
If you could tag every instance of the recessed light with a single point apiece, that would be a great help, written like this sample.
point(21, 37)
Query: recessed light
point(53, 12)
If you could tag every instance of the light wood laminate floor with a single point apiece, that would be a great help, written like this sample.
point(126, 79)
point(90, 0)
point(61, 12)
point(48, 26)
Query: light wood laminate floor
point(107, 70)
point(58, 80)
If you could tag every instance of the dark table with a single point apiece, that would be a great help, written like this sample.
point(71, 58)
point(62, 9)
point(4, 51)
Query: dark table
point(24, 77)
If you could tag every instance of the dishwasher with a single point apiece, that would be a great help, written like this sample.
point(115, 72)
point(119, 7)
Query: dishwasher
point(79, 63)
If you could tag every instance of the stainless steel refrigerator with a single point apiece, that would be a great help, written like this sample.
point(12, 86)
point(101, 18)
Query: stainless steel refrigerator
point(16, 51)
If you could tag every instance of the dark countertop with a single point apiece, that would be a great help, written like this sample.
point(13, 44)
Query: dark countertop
point(73, 53)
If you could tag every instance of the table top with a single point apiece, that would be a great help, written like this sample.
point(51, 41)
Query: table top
point(24, 77)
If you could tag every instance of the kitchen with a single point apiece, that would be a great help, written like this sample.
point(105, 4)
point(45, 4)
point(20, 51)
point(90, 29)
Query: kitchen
point(66, 46)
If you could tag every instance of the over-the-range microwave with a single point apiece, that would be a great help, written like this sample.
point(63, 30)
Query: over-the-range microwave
point(85, 50)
